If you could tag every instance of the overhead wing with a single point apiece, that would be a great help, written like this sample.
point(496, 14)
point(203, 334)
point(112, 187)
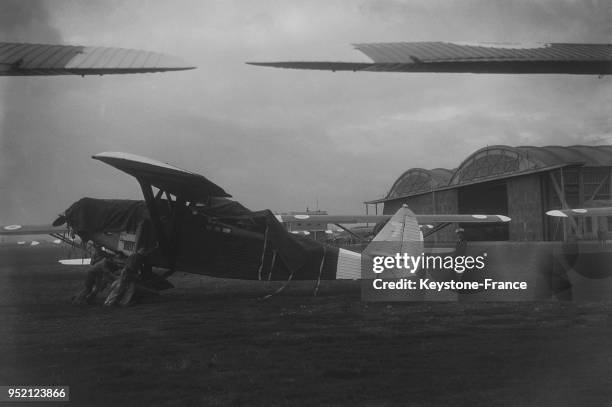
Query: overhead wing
point(562, 58)
point(19, 59)
point(191, 186)
point(18, 230)
point(566, 213)
point(421, 219)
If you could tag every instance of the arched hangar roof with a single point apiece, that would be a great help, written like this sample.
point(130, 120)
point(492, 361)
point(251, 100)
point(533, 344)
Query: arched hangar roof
point(500, 161)
point(417, 180)
point(495, 161)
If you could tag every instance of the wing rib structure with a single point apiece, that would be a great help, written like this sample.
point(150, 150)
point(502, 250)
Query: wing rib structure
point(20, 59)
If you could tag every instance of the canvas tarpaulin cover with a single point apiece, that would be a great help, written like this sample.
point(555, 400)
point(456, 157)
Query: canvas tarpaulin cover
point(90, 215)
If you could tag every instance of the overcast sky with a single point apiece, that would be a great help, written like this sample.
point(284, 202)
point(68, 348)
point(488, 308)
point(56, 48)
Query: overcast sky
point(282, 139)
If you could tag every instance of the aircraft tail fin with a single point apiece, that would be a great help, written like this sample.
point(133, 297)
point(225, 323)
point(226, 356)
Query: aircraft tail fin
point(400, 235)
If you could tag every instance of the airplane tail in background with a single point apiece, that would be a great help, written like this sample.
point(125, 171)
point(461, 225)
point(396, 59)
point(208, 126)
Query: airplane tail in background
point(400, 235)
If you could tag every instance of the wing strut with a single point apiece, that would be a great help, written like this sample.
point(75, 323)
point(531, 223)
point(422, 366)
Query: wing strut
point(147, 191)
point(178, 213)
point(169, 244)
point(436, 229)
point(350, 232)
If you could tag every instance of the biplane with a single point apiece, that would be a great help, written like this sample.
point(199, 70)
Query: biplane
point(190, 224)
point(496, 58)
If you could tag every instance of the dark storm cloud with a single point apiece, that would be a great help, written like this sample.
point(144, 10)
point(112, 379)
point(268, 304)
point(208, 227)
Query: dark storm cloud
point(285, 138)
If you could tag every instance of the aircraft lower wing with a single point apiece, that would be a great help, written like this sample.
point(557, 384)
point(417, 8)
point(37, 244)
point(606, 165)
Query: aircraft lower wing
point(421, 219)
point(19, 59)
point(320, 219)
point(22, 230)
point(442, 218)
point(17, 230)
point(58, 233)
point(577, 59)
point(566, 213)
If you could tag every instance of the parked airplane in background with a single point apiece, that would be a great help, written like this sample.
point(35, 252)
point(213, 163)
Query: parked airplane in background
point(196, 228)
point(581, 212)
point(576, 59)
point(19, 59)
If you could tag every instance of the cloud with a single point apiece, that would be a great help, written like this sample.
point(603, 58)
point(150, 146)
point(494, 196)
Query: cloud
point(284, 138)
point(24, 153)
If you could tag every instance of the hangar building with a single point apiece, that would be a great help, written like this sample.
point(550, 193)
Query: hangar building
point(520, 182)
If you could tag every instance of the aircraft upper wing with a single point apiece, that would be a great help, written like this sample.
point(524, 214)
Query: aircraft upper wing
point(179, 182)
point(562, 58)
point(19, 59)
point(565, 213)
point(421, 219)
point(17, 230)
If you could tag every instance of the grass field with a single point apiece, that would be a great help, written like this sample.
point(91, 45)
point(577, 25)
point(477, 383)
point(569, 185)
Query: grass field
point(212, 342)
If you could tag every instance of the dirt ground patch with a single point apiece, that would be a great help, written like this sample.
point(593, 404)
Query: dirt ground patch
point(212, 342)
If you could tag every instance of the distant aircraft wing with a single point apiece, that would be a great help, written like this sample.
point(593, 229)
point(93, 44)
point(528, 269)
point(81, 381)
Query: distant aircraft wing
point(306, 218)
point(421, 219)
point(566, 213)
point(18, 230)
point(427, 219)
point(193, 187)
point(19, 59)
point(561, 58)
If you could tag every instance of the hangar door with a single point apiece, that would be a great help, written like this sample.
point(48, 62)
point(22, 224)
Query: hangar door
point(484, 198)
